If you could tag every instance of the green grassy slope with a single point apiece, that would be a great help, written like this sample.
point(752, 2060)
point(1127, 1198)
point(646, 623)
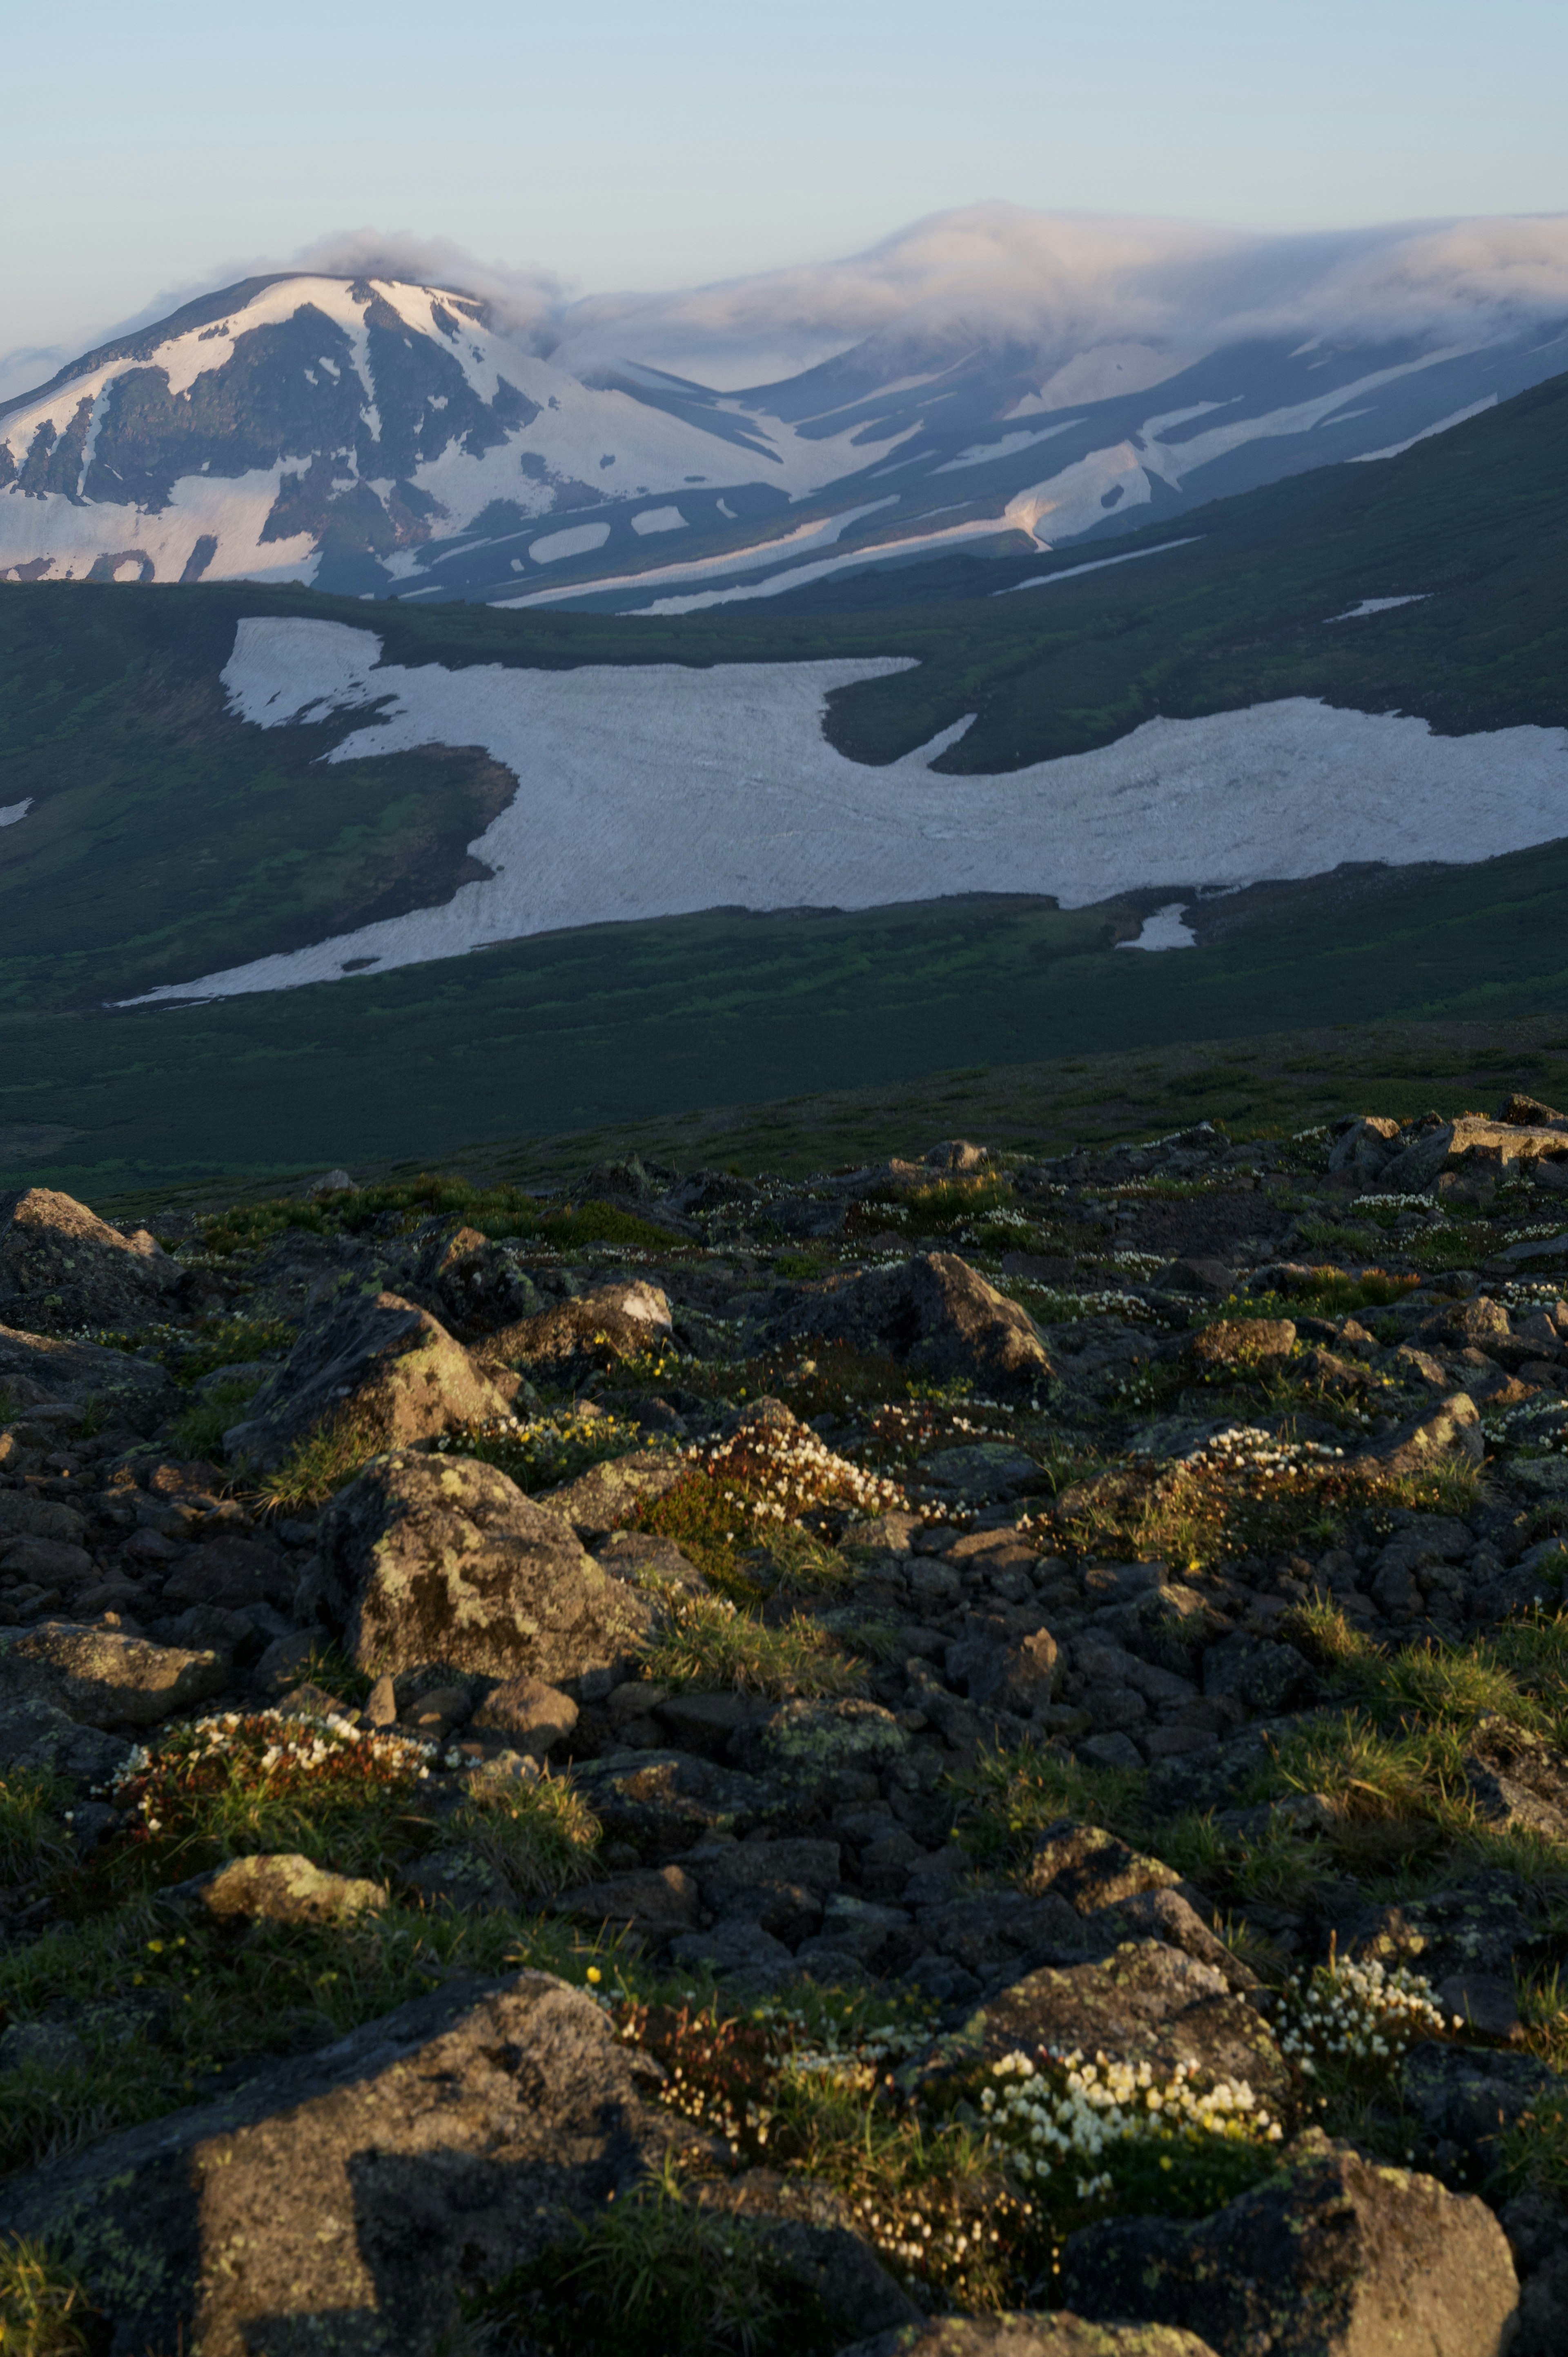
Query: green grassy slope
point(623, 1022)
point(168, 839)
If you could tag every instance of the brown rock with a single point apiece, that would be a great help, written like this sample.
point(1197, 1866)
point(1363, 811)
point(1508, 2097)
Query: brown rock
point(1241, 1342)
point(70, 1268)
point(101, 1676)
point(532, 1716)
point(619, 1321)
point(1091, 1868)
point(603, 1498)
point(1055, 2335)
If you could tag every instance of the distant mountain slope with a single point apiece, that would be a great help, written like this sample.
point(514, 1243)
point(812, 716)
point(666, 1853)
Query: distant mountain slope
point(374, 436)
point(158, 826)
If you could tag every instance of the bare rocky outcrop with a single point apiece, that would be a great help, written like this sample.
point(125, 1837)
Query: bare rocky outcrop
point(432, 1559)
point(934, 1313)
point(337, 2201)
point(60, 1265)
point(46, 1370)
point(472, 1284)
point(1338, 2258)
point(376, 1362)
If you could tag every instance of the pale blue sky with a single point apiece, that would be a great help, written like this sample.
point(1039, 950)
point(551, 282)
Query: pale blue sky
point(675, 141)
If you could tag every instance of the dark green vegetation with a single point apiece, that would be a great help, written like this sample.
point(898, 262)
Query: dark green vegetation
point(168, 839)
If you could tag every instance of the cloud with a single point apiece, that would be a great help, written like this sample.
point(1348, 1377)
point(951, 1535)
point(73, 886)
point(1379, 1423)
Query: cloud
point(1060, 284)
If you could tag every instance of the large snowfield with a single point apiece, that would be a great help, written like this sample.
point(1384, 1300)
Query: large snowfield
point(660, 790)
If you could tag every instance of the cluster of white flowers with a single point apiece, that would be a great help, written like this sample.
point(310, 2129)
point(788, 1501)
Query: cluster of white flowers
point(1539, 1426)
point(1358, 2014)
point(1057, 2114)
point(1524, 1298)
point(1392, 1203)
point(1248, 1447)
point(1537, 1234)
point(1054, 1306)
point(1138, 1263)
point(793, 1470)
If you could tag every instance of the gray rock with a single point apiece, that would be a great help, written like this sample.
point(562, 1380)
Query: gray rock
point(1255, 1672)
point(39, 1371)
point(460, 2136)
point(102, 1677)
point(935, 1314)
point(1143, 2002)
point(1336, 2259)
point(389, 1370)
point(1469, 2096)
point(1091, 1868)
point(1452, 1429)
point(658, 1901)
point(68, 1267)
point(604, 1497)
point(430, 1559)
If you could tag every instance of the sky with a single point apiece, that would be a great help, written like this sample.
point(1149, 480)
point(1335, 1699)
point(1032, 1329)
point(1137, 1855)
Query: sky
point(641, 144)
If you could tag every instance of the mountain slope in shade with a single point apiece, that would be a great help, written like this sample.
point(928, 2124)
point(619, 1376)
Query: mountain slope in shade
point(374, 436)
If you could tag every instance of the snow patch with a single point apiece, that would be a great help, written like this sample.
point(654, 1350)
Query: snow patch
point(659, 790)
point(1395, 449)
point(658, 520)
point(1101, 563)
point(1377, 606)
point(15, 811)
point(578, 540)
point(1164, 931)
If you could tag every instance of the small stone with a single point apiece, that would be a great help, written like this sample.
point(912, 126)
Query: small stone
point(530, 1715)
point(278, 1890)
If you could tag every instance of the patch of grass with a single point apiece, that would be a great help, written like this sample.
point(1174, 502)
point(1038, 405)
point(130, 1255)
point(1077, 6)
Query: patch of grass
point(657, 2275)
point(241, 1783)
point(44, 2311)
point(32, 1834)
point(199, 1431)
point(537, 1836)
point(319, 1465)
point(708, 1644)
point(1007, 1797)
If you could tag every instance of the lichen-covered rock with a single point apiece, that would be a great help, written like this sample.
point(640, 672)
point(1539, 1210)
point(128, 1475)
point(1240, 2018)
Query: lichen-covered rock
point(818, 1739)
point(934, 1313)
point(45, 1369)
point(618, 1321)
point(1091, 1868)
point(102, 1677)
point(429, 1559)
point(70, 1268)
point(1144, 2003)
point(376, 1362)
point(1058, 2335)
point(1452, 1428)
point(338, 2201)
point(602, 1498)
point(1336, 2258)
point(281, 1889)
point(472, 1284)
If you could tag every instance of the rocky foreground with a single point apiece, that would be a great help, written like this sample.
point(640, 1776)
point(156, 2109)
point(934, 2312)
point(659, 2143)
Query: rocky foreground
point(970, 1755)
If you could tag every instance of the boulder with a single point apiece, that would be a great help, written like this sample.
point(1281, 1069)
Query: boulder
point(527, 1714)
point(1256, 1672)
point(472, 1284)
point(1091, 1868)
point(1364, 1147)
point(70, 1268)
point(102, 1677)
point(430, 1559)
point(1338, 2258)
point(276, 1889)
point(373, 1360)
point(45, 1370)
point(657, 1903)
point(1142, 2003)
point(618, 1321)
point(1058, 2335)
point(232, 1573)
point(1500, 1148)
point(935, 1314)
point(1452, 1429)
point(602, 1498)
point(340, 2200)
